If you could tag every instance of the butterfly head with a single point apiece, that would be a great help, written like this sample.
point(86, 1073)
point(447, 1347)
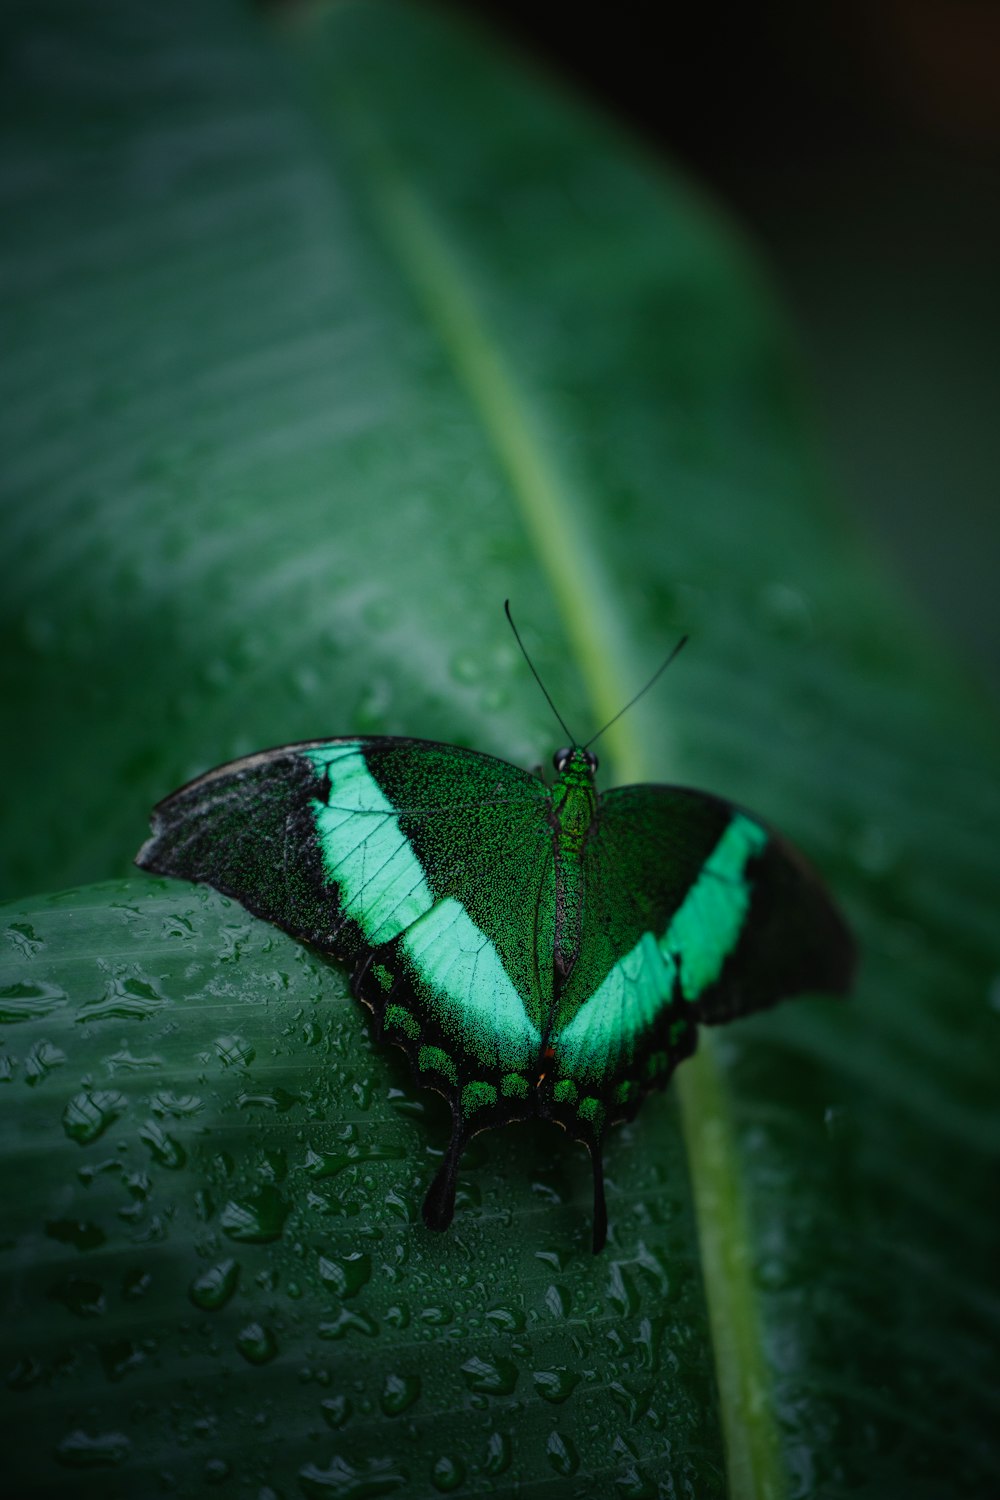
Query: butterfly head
point(575, 760)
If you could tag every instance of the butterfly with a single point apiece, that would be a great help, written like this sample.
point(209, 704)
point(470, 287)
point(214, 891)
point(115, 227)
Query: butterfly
point(535, 949)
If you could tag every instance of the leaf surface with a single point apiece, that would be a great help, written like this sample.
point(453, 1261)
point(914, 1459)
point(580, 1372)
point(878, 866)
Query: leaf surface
point(325, 341)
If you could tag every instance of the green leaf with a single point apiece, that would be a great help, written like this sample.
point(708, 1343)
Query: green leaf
point(323, 341)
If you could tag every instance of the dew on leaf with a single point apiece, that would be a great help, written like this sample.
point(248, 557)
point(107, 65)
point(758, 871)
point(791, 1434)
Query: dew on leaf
point(165, 1150)
point(125, 998)
point(88, 1114)
point(562, 1455)
point(622, 1292)
point(491, 1377)
point(78, 1233)
point(342, 1481)
point(399, 1393)
point(557, 1301)
point(448, 1474)
point(81, 1297)
point(121, 1357)
point(498, 1453)
point(124, 1061)
point(29, 1002)
point(347, 1322)
point(506, 1319)
point(214, 1286)
point(256, 1219)
point(217, 1471)
point(345, 1274)
point(178, 1106)
point(40, 1062)
point(436, 1316)
point(234, 1051)
point(23, 938)
point(277, 1099)
point(466, 668)
point(785, 610)
point(336, 1411)
point(257, 1344)
point(78, 1450)
point(555, 1385)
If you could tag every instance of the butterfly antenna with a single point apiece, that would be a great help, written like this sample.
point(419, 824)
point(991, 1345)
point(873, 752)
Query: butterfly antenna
point(658, 673)
point(510, 621)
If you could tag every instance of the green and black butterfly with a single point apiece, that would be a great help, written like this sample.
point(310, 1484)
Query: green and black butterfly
point(535, 949)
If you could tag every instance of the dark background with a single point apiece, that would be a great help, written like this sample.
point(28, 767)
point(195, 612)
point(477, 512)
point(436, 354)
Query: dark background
point(858, 144)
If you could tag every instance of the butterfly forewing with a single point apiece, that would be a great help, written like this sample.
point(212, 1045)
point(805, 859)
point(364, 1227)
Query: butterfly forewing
point(427, 865)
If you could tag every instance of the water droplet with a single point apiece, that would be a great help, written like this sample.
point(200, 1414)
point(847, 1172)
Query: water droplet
point(345, 1274)
point(622, 1292)
point(277, 1098)
point(136, 1284)
point(165, 1150)
point(78, 1450)
point(399, 1392)
point(123, 1061)
point(321, 1164)
point(179, 1107)
point(785, 611)
point(342, 1481)
point(336, 1411)
point(125, 998)
point(256, 1219)
point(498, 1453)
point(215, 1285)
point(448, 1474)
point(557, 1301)
point(256, 1343)
point(23, 939)
point(347, 1322)
point(506, 1319)
point(994, 994)
point(491, 1377)
point(122, 1356)
point(40, 1061)
point(465, 667)
point(562, 1454)
point(555, 1385)
point(216, 1470)
point(234, 1051)
point(29, 1002)
point(88, 1115)
point(83, 1298)
point(436, 1317)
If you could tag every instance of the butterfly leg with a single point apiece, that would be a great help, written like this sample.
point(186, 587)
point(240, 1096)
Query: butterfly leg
point(600, 1204)
point(439, 1204)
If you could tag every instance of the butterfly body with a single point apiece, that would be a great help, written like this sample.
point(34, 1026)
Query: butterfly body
point(536, 950)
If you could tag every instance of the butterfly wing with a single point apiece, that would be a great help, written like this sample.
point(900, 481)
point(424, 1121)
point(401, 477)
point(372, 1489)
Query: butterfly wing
point(694, 912)
point(427, 867)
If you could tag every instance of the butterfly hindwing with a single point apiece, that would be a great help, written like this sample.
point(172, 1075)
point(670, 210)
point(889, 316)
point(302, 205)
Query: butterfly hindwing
point(695, 912)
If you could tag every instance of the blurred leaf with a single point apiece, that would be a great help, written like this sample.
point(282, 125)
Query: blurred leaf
point(323, 345)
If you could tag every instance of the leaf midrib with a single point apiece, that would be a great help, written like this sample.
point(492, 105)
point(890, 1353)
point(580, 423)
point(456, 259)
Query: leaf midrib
point(585, 598)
